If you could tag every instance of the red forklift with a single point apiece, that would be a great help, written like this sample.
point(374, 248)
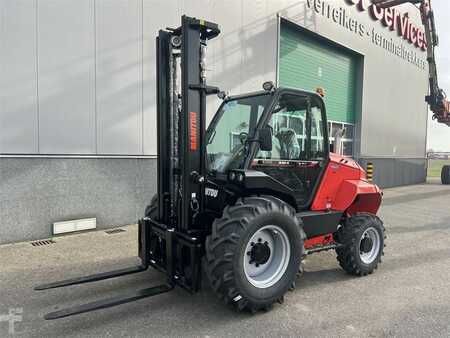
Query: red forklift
point(246, 199)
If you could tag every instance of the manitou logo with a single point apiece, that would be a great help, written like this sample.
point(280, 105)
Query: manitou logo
point(193, 131)
point(394, 20)
point(211, 192)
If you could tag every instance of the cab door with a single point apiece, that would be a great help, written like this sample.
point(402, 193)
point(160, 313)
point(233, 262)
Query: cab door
point(299, 147)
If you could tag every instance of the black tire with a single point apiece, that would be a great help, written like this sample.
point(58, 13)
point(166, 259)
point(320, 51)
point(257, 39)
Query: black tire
point(350, 235)
point(151, 210)
point(226, 248)
point(445, 174)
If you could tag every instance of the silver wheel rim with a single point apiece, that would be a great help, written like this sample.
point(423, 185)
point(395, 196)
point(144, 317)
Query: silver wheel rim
point(370, 256)
point(267, 274)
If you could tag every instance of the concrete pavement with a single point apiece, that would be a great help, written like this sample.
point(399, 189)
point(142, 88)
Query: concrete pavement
point(409, 295)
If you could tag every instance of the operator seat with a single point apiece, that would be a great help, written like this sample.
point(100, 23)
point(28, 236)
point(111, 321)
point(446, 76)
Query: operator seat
point(286, 147)
point(290, 148)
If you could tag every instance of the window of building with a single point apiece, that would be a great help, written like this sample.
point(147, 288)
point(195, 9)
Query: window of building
point(347, 138)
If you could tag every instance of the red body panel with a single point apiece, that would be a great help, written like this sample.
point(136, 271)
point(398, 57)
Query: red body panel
point(318, 241)
point(344, 188)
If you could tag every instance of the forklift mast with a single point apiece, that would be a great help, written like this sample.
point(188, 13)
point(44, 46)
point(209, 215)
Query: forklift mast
point(169, 245)
point(181, 119)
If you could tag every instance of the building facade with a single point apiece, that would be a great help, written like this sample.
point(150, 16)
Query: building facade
point(78, 95)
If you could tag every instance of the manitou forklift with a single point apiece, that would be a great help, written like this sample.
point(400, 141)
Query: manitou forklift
point(437, 99)
point(248, 198)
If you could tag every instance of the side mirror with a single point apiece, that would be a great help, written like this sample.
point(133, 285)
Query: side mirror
point(265, 139)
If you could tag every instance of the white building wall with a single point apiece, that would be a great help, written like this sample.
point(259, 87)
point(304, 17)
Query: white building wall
point(119, 94)
point(78, 76)
point(66, 76)
point(18, 77)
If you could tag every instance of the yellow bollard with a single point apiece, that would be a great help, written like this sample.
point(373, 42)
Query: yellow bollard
point(369, 171)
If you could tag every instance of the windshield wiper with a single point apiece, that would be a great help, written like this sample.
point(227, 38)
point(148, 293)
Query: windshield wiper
point(212, 137)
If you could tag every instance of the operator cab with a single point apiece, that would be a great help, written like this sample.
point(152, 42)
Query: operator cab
point(279, 132)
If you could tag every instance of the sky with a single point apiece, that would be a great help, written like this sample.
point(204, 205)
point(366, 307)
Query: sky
point(439, 134)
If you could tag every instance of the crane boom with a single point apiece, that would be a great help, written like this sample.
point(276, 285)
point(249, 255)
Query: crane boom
point(437, 99)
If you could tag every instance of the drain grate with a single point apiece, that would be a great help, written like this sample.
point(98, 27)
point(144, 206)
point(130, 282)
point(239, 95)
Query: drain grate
point(114, 231)
point(43, 242)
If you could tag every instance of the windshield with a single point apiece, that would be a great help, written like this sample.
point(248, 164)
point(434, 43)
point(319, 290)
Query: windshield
point(235, 122)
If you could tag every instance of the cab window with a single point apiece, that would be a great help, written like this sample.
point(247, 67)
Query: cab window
point(297, 129)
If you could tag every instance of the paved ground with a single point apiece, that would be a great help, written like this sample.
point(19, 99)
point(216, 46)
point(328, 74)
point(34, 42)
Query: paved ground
point(409, 295)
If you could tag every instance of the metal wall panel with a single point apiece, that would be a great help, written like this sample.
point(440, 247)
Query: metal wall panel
point(197, 8)
point(119, 76)
point(96, 69)
point(226, 48)
point(66, 67)
point(223, 52)
point(18, 84)
point(244, 55)
point(257, 44)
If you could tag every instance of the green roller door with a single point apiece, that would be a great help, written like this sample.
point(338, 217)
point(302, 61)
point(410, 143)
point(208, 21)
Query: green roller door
point(307, 63)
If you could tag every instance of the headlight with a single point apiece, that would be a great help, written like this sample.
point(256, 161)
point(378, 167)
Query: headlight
point(236, 176)
point(268, 85)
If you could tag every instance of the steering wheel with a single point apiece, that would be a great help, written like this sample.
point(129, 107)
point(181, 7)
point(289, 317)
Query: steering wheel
point(226, 159)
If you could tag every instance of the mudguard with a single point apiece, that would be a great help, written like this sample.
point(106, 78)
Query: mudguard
point(357, 196)
point(344, 187)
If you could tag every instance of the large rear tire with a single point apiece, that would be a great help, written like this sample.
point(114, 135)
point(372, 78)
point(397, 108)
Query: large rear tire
point(254, 253)
point(445, 174)
point(362, 238)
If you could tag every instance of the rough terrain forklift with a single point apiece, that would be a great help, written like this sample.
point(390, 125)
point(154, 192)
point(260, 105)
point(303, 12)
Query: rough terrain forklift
point(248, 198)
point(436, 99)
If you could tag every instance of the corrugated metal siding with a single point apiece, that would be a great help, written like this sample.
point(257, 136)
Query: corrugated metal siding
point(79, 76)
point(98, 71)
point(306, 63)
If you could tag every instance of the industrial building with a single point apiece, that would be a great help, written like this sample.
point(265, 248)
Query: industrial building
point(78, 100)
